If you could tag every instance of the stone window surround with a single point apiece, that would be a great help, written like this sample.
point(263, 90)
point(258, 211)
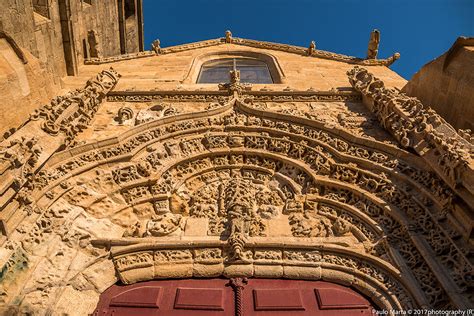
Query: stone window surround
point(272, 62)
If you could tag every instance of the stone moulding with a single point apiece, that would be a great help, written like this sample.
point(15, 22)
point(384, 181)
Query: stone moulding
point(140, 261)
point(171, 95)
point(14, 46)
point(249, 43)
point(418, 127)
point(106, 60)
point(208, 96)
point(54, 127)
point(316, 52)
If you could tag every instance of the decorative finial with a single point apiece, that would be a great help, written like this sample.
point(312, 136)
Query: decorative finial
point(311, 48)
point(228, 36)
point(234, 76)
point(374, 41)
point(155, 46)
point(235, 86)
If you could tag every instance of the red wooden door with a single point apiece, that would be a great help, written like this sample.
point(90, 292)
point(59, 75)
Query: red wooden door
point(297, 297)
point(168, 297)
point(222, 297)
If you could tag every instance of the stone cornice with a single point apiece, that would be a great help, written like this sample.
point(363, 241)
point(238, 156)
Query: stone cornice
point(112, 59)
point(249, 43)
point(263, 96)
point(315, 52)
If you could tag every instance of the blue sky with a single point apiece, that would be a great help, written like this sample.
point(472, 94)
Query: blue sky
point(420, 30)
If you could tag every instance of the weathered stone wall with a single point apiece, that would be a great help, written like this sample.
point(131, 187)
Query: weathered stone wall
point(40, 30)
point(39, 35)
point(101, 17)
point(448, 86)
point(23, 87)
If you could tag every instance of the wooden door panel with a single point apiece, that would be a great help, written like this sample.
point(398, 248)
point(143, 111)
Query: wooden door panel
point(265, 297)
point(338, 298)
point(135, 298)
point(199, 299)
point(277, 299)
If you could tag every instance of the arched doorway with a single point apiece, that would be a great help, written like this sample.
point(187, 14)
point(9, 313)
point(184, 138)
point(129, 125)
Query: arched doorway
point(238, 296)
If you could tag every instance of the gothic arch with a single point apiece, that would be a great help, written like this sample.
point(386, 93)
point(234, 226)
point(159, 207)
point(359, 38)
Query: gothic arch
point(320, 180)
point(342, 176)
point(237, 189)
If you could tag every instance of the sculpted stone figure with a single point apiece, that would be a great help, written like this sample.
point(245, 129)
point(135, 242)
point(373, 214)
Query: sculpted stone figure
point(239, 198)
point(124, 114)
point(310, 225)
point(155, 46)
point(311, 48)
point(94, 47)
point(235, 86)
point(228, 36)
point(163, 225)
point(374, 41)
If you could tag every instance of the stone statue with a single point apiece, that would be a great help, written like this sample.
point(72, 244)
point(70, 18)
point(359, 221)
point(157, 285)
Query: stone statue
point(94, 47)
point(311, 48)
point(239, 199)
point(228, 36)
point(374, 41)
point(155, 46)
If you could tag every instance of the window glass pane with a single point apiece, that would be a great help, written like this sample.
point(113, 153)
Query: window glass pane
point(214, 74)
point(251, 71)
point(255, 74)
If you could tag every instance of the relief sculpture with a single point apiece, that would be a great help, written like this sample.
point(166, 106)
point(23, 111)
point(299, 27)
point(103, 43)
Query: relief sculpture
point(357, 185)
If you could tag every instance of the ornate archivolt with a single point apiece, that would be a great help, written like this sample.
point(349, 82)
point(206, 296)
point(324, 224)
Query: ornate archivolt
point(242, 187)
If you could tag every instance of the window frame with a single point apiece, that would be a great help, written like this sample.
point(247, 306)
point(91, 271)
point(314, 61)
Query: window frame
point(240, 64)
point(194, 69)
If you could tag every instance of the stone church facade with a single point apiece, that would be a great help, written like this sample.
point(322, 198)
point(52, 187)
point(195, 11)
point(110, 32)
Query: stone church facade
point(229, 161)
